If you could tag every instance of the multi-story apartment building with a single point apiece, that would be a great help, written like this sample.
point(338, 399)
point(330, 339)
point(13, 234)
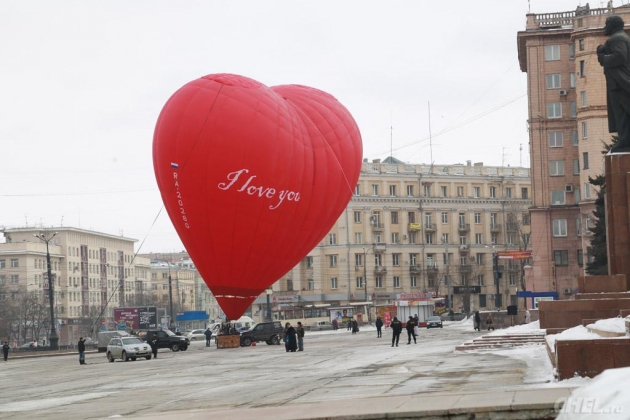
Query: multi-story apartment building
point(567, 128)
point(93, 273)
point(416, 229)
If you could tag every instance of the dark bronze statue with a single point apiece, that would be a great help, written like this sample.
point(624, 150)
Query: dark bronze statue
point(614, 57)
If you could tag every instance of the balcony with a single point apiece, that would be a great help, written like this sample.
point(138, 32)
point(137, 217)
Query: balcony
point(413, 227)
point(464, 227)
point(415, 269)
point(376, 226)
point(430, 227)
point(495, 228)
point(512, 227)
point(379, 269)
point(465, 268)
point(432, 268)
point(379, 248)
point(464, 249)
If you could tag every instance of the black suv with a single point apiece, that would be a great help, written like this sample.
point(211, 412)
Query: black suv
point(166, 339)
point(269, 332)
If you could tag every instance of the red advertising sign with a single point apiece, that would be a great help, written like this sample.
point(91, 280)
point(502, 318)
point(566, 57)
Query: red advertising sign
point(514, 255)
point(126, 318)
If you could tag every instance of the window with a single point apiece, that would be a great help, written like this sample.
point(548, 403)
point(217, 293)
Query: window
point(576, 166)
point(574, 138)
point(414, 281)
point(578, 226)
point(445, 238)
point(462, 220)
point(3, 263)
point(494, 239)
point(3, 279)
point(429, 238)
point(559, 227)
point(357, 217)
point(357, 189)
point(309, 262)
point(508, 192)
point(512, 280)
point(493, 192)
point(333, 283)
point(412, 237)
point(587, 190)
point(480, 279)
point(378, 260)
point(374, 189)
point(409, 190)
point(15, 263)
point(413, 259)
point(460, 191)
point(477, 191)
point(378, 282)
point(552, 52)
point(479, 259)
point(584, 129)
point(332, 260)
point(561, 258)
point(572, 47)
point(411, 216)
point(444, 218)
point(582, 68)
point(573, 109)
point(15, 279)
point(427, 190)
point(583, 99)
point(556, 168)
point(478, 238)
point(443, 191)
point(580, 257)
point(396, 282)
point(462, 240)
point(557, 198)
point(311, 284)
point(576, 196)
point(581, 44)
point(524, 193)
point(525, 218)
point(585, 160)
point(360, 283)
point(392, 191)
point(553, 81)
point(164, 276)
point(332, 239)
point(396, 260)
point(572, 80)
point(477, 218)
point(494, 220)
point(394, 217)
point(358, 260)
point(395, 237)
point(554, 110)
point(556, 138)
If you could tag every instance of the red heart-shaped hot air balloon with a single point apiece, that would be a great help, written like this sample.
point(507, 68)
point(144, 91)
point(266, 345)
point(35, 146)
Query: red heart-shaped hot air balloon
point(253, 178)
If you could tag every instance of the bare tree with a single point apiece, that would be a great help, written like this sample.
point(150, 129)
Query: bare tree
point(518, 221)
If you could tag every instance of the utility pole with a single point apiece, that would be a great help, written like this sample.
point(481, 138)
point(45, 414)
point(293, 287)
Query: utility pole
point(53, 338)
point(497, 278)
point(365, 251)
point(448, 279)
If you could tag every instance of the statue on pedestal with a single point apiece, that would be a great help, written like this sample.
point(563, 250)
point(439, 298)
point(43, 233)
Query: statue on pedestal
point(614, 57)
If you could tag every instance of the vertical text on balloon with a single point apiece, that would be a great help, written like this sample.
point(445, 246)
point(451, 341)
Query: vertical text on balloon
point(180, 202)
point(259, 191)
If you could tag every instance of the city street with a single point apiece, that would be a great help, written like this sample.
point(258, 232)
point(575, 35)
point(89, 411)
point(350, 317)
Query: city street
point(334, 365)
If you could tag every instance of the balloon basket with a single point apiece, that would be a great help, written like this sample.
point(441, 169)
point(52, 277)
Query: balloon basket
point(228, 341)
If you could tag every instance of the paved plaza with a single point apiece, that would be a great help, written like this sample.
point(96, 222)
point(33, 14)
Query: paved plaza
point(334, 367)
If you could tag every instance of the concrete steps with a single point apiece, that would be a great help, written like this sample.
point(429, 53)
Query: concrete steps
point(502, 341)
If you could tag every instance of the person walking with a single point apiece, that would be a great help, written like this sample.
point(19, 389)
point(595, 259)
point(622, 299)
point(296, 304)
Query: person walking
point(396, 327)
point(335, 324)
point(411, 332)
point(379, 325)
point(291, 338)
point(81, 347)
point(355, 326)
point(477, 321)
point(300, 336)
point(285, 338)
point(154, 347)
point(489, 322)
point(208, 335)
point(5, 350)
point(350, 324)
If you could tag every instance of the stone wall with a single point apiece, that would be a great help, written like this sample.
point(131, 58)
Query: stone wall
point(590, 357)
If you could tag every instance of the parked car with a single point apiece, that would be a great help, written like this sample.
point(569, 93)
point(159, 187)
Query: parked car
point(434, 322)
point(166, 339)
point(195, 335)
point(321, 326)
point(126, 348)
point(269, 332)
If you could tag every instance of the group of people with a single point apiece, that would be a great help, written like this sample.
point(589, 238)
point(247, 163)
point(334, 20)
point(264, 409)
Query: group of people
point(293, 338)
point(353, 325)
point(397, 327)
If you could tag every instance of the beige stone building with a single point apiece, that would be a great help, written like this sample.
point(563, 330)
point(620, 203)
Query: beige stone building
point(567, 129)
point(409, 228)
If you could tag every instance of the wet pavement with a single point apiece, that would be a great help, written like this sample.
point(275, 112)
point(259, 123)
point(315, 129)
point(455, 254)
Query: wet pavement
point(334, 366)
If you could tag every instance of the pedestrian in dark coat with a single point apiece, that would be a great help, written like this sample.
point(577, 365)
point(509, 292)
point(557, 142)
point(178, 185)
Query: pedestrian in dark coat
point(379, 325)
point(477, 321)
point(208, 335)
point(154, 347)
point(81, 347)
point(355, 326)
point(350, 324)
point(285, 338)
point(291, 338)
point(335, 324)
point(300, 336)
point(396, 327)
point(5, 350)
point(411, 332)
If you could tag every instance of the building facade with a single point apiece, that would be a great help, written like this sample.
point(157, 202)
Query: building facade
point(416, 229)
point(567, 116)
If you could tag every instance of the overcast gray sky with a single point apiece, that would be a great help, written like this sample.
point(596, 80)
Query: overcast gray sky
point(82, 84)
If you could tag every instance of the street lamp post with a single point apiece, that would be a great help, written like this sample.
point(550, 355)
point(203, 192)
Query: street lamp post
point(365, 252)
point(53, 339)
point(269, 292)
point(170, 294)
point(497, 277)
point(448, 279)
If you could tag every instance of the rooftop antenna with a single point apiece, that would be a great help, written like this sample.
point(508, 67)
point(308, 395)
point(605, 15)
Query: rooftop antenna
point(503, 158)
point(520, 154)
point(391, 139)
point(26, 219)
point(61, 224)
point(430, 139)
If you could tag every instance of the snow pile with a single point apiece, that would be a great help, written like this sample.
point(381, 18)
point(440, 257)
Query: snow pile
point(576, 333)
point(611, 325)
point(531, 328)
point(605, 396)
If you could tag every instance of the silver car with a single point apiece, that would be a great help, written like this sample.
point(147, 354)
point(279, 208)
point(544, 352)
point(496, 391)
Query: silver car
point(126, 348)
point(195, 335)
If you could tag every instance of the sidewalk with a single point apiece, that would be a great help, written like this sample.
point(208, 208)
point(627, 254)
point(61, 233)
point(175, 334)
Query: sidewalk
point(540, 403)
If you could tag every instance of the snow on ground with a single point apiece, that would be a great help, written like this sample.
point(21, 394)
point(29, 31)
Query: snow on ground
point(47, 403)
point(612, 325)
point(605, 397)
